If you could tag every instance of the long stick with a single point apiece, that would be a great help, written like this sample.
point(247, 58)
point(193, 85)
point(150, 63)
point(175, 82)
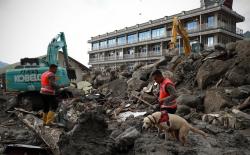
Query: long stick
point(143, 100)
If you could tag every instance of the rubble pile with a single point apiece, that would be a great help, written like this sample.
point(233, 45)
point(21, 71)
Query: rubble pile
point(12, 130)
point(89, 136)
point(213, 89)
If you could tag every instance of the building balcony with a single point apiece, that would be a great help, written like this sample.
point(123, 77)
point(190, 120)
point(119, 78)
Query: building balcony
point(134, 56)
point(239, 31)
point(200, 28)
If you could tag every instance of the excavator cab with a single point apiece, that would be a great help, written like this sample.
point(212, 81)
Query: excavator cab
point(197, 47)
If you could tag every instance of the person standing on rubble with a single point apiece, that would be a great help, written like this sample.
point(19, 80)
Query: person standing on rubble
point(48, 88)
point(167, 94)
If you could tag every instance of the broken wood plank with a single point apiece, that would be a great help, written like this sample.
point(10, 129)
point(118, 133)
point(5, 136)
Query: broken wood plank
point(241, 114)
point(49, 135)
point(245, 104)
point(218, 83)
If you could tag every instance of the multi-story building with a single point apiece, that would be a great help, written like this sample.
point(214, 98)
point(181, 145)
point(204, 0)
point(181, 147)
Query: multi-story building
point(214, 22)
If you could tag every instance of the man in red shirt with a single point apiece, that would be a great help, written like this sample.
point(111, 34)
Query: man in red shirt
point(48, 88)
point(167, 94)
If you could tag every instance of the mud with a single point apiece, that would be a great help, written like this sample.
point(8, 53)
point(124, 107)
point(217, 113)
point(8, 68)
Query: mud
point(12, 130)
point(89, 136)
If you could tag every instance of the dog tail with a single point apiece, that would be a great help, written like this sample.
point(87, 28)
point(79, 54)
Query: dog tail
point(198, 131)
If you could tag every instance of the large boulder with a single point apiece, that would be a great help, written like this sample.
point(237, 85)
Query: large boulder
point(215, 100)
point(241, 92)
point(231, 49)
point(136, 84)
point(100, 80)
point(141, 74)
point(89, 136)
point(189, 100)
point(210, 71)
point(137, 66)
point(126, 139)
point(183, 110)
point(243, 48)
point(239, 74)
point(116, 88)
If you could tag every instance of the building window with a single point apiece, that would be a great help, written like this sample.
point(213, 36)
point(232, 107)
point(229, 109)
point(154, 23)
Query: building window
point(144, 35)
point(95, 46)
point(103, 44)
point(143, 49)
point(210, 41)
point(156, 48)
point(192, 25)
point(111, 42)
point(121, 40)
point(210, 21)
point(158, 33)
point(131, 51)
point(132, 38)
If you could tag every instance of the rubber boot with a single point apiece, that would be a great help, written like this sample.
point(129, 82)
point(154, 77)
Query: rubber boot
point(50, 118)
point(45, 118)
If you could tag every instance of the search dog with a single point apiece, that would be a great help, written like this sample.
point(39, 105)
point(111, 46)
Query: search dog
point(177, 126)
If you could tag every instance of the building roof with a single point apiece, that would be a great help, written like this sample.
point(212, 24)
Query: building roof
point(12, 66)
point(83, 67)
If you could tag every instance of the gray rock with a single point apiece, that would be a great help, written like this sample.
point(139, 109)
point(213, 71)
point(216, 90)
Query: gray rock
point(239, 75)
point(241, 92)
point(125, 74)
point(183, 110)
point(213, 129)
point(231, 46)
point(137, 66)
point(189, 100)
point(118, 88)
point(211, 71)
point(126, 139)
point(215, 101)
point(231, 49)
point(136, 84)
point(243, 48)
point(220, 47)
point(148, 98)
point(141, 74)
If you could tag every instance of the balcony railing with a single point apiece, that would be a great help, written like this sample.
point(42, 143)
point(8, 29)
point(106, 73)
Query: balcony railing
point(126, 57)
point(239, 31)
point(202, 27)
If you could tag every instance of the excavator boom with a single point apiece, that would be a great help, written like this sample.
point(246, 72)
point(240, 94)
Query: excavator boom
point(178, 28)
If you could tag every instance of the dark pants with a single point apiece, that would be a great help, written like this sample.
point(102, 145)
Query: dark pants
point(170, 110)
point(49, 103)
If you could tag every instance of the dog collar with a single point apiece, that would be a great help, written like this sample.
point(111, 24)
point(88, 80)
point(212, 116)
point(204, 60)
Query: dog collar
point(153, 122)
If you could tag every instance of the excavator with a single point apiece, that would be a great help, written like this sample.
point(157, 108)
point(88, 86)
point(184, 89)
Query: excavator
point(26, 78)
point(178, 28)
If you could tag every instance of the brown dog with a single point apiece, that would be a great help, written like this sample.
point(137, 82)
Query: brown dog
point(176, 123)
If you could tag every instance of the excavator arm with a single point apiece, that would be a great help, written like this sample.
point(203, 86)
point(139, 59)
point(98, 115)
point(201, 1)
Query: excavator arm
point(54, 46)
point(178, 28)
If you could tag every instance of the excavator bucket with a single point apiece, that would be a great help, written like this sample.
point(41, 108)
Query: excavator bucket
point(71, 74)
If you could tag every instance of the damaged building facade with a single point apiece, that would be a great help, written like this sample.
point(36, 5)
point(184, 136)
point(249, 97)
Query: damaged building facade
point(212, 23)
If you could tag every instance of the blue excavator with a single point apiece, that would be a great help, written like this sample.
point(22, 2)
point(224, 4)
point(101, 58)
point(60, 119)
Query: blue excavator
point(26, 78)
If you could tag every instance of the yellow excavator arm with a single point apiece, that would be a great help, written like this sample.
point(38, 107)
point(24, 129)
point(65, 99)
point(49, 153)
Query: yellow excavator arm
point(178, 28)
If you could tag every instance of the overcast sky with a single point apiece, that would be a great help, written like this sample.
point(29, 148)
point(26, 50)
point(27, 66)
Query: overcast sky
point(27, 26)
